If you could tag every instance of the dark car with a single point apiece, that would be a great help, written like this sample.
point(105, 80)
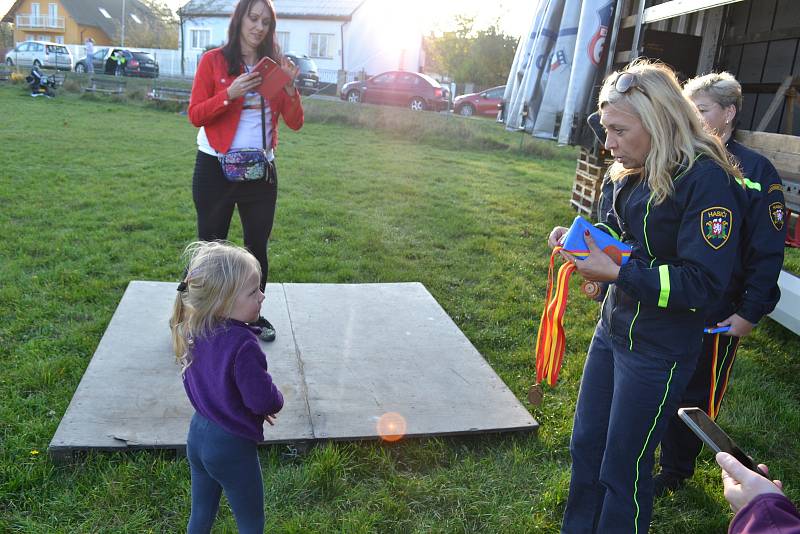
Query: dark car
point(399, 88)
point(483, 103)
point(138, 63)
point(307, 80)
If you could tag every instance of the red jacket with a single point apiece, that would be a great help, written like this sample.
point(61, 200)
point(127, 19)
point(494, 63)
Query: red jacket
point(209, 105)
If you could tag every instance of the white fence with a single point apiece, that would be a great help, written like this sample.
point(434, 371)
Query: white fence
point(169, 61)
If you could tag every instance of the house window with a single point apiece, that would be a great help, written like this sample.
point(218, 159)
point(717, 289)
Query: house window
point(200, 38)
point(52, 15)
point(60, 39)
point(283, 40)
point(320, 45)
point(36, 19)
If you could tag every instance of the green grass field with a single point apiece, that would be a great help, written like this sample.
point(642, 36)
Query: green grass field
point(95, 193)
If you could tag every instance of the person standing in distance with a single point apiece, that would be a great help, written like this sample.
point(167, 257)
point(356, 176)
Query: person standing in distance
point(89, 45)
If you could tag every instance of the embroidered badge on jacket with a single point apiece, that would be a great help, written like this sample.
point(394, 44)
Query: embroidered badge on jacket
point(715, 225)
point(775, 187)
point(776, 215)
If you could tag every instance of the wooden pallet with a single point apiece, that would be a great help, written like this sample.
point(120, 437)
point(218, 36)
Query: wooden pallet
point(588, 183)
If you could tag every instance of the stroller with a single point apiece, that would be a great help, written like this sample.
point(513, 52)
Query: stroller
point(41, 84)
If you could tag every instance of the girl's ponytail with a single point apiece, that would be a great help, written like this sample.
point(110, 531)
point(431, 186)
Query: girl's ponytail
point(180, 342)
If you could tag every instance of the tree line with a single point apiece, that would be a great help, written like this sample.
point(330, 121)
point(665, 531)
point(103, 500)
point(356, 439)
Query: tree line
point(482, 56)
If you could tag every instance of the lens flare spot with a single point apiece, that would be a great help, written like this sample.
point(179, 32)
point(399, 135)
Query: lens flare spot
point(391, 426)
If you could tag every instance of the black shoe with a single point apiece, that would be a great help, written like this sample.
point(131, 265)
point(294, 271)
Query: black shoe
point(267, 330)
point(664, 482)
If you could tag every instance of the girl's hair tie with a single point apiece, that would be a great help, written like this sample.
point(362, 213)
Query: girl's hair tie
point(182, 286)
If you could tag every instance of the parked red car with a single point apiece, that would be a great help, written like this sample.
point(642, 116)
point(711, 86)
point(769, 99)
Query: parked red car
point(399, 88)
point(483, 103)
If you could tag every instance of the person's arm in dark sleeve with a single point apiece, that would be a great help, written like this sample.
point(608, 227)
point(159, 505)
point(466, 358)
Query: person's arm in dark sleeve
point(763, 252)
point(704, 264)
point(259, 392)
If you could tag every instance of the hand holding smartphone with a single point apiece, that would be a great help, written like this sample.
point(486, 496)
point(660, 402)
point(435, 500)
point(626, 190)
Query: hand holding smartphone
point(715, 438)
point(273, 79)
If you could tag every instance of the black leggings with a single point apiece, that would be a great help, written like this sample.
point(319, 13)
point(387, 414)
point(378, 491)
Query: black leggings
point(214, 200)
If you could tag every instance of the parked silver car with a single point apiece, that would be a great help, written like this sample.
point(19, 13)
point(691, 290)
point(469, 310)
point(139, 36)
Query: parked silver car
point(40, 53)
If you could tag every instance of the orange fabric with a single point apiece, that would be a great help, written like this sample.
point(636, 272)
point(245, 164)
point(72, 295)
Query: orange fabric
point(551, 340)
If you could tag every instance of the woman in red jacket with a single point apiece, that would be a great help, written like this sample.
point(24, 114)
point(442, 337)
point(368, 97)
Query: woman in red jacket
point(227, 108)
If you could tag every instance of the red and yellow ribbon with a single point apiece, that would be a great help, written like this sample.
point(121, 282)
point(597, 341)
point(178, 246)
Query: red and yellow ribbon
point(551, 341)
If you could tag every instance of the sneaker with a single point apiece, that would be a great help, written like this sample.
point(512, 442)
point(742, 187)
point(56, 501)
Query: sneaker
point(267, 330)
point(664, 482)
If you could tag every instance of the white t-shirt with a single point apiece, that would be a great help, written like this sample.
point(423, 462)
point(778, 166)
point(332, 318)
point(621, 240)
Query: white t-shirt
point(248, 132)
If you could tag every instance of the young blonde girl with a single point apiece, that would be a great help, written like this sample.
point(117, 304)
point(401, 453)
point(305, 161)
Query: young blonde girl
point(225, 377)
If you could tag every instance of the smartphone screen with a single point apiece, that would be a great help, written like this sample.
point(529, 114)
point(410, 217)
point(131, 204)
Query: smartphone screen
point(714, 437)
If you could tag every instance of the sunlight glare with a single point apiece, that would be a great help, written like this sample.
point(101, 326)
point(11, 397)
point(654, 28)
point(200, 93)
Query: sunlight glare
point(391, 426)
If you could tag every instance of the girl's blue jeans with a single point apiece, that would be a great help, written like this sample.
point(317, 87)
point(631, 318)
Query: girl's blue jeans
point(221, 461)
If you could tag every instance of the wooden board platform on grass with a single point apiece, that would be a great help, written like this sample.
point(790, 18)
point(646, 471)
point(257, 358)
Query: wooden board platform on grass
point(345, 356)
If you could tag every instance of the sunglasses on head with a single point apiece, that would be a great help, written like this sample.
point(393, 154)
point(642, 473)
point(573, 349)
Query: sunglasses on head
point(626, 81)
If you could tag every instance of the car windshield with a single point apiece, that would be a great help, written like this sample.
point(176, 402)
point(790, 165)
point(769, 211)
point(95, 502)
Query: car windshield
point(143, 56)
point(305, 64)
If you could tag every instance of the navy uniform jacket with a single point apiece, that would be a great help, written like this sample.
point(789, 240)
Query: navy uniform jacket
point(684, 251)
point(753, 291)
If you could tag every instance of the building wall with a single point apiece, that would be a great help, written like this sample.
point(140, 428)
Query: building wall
point(299, 39)
point(40, 34)
point(81, 33)
point(379, 37)
point(217, 26)
point(761, 47)
point(382, 36)
point(71, 33)
point(299, 36)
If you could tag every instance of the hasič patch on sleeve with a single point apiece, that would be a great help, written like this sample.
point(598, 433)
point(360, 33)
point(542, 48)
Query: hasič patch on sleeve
point(716, 225)
point(775, 187)
point(776, 213)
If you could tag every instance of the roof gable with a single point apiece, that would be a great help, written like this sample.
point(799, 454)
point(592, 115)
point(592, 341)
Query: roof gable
point(87, 13)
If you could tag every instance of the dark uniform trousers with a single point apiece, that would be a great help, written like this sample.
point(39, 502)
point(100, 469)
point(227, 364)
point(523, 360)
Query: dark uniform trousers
point(629, 395)
point(680, 446)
